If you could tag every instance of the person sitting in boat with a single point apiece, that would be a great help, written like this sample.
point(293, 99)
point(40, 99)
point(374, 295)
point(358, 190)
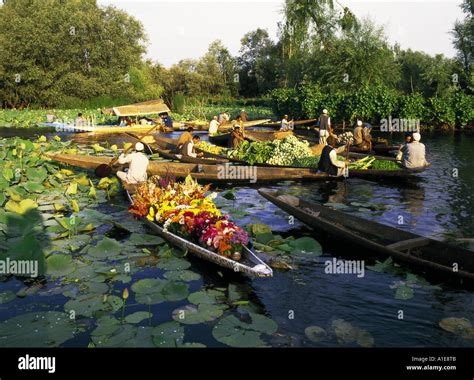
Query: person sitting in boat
point(286, 125)
point(328, 162)
point(213, 126)
point(236, 137)
point(362, 136)
point(324, 127)
point(80, 121)
point(408, 140)
point(167, 120)
point(414, 153)
point(185, 136)
point(138, 165)
point(244, 116)
point(224, 118)
point(189, 150)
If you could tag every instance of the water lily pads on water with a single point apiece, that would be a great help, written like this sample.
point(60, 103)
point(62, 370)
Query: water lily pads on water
point(459, 326)
point(236, 333)
point(169, 334)
point(138, 316)
point(306, 245)
point(193, 315)
point(105, 248)
point(7, 296)
point(126, 336)
point(346, 334)
point(209, 296)
point(315, 333)
point(145, 239)
point(87, 305)
point(41, 329)
point(173, 263)
point(152, 291)
point(182, 275)
point(59, 265)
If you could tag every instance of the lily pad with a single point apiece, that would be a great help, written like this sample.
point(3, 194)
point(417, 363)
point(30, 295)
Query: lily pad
point(209, 297)
point(169, 334)
point(138, 316)
point(235, 333)
point(7, 296)
point(173, 263)
point(145, 239)
point(40, 329)
point(306, 245)
point(182, 275)
point(59, 265)
point(458, 326)
point(192, 314)
point(86, 305)
point(36, 174)
point(259, 228)
point(404, 292)
point(345, 332)
point(105, 248)
point(315, 333)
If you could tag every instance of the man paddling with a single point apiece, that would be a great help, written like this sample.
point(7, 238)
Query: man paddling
point(286, 125)
point(414, 153)
point(328, 162)
point(138, 165)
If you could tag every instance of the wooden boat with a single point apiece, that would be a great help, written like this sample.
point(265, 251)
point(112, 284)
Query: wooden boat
point(424, 253)
point(250, 263)
point(297, 123)
point(267, 135)
point(228, 173)
point(98, 129)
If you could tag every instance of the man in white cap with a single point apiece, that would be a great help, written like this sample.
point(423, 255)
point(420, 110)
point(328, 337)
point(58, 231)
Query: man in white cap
point(138, 165)
point(286, 125)
point(324, 127)
point(414, 153)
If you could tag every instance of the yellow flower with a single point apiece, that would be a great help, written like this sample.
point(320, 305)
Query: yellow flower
point(125, 294)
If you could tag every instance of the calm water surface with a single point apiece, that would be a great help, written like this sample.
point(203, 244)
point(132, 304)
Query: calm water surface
point(438, 205)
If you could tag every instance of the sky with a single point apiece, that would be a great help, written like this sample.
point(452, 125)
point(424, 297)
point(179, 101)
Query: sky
point(179, 29)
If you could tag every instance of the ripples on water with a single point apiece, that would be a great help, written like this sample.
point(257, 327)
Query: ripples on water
point(437, 205)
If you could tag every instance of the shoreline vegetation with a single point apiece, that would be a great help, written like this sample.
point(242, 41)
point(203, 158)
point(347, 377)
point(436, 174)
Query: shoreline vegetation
point(324, 57)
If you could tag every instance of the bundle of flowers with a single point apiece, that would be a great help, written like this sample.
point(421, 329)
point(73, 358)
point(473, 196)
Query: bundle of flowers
point(184, 209)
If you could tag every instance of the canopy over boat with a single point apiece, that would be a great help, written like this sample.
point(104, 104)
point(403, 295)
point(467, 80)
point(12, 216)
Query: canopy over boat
point(138, 109)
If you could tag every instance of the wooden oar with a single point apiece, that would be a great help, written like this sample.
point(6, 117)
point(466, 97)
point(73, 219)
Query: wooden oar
point(104, 170)
point(346, 162)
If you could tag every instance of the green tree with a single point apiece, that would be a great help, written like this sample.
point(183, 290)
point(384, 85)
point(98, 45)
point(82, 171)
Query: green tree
point(53, 50)
point(463, 41)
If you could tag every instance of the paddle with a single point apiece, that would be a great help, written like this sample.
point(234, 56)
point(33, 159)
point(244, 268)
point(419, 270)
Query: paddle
point(346, 162)
point(104, 170)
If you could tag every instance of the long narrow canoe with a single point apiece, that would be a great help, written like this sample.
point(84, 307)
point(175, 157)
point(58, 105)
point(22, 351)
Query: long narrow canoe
point(204, 125)
point(228, 173)
point(297, 123)
point(102, 129)
point(167, 150)
point(426, 254)
point(250, 263)
point(267, 135)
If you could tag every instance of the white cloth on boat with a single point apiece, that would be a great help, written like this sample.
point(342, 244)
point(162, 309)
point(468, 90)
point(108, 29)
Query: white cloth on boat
point(213, 126)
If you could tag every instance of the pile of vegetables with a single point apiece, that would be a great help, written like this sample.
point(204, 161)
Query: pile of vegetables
point(371, 162)
point(211, 148)
point(252, 153)
point(278, 152)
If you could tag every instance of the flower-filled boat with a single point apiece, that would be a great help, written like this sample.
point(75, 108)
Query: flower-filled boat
point(185, 214)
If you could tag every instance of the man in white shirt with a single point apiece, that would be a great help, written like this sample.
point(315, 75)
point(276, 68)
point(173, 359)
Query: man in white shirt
point(213, 126)
point(286, 125)
point(138, 165)
point(328, 162)
point(414, 153)
point(80, 121)
point(188, 149)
